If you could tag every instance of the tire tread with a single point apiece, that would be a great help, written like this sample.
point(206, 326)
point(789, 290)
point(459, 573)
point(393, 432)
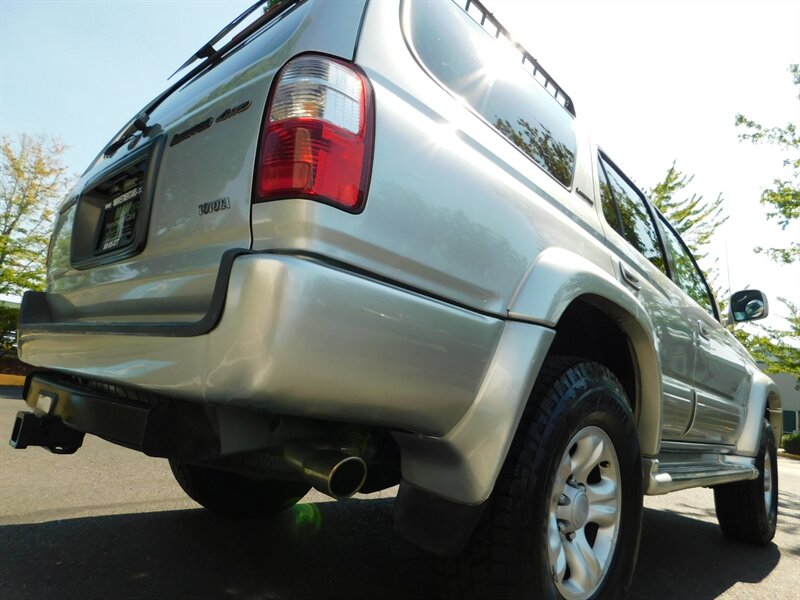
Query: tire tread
point(740, 505)
point(491, 573)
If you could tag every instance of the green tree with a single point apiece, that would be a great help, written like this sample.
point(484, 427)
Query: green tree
point(778, 349)
point(32, 180)
point(8, 327)
point(695, 219)
point(783, 197)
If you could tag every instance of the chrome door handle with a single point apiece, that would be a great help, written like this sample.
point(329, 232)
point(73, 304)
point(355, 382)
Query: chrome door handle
point(629, 278)
point(702, 331)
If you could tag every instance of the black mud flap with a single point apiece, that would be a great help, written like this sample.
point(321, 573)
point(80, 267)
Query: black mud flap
point(433, 523)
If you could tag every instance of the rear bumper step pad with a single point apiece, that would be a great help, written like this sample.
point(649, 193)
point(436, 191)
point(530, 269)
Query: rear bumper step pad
point(169, 429)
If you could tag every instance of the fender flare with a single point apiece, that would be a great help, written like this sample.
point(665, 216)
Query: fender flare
point(463, 465)
point(558, 278)
point(764, 400)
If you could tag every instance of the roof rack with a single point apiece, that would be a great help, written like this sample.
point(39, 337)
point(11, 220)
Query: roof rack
point(481, 15)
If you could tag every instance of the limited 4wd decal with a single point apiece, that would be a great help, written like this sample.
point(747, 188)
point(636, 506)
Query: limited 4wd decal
point(203, 125)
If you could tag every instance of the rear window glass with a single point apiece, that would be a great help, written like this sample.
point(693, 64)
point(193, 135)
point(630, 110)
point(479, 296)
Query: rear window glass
point(487, 73)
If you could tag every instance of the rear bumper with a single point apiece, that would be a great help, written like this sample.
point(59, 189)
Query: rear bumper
point(294, 337)
point(63, 410)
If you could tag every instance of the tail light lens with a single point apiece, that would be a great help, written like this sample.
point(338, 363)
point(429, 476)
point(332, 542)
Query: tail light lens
point(317, 137)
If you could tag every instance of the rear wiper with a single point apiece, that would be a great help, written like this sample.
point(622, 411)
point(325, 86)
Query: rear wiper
point(139, 123)
point(275, 7)
point(208, 48)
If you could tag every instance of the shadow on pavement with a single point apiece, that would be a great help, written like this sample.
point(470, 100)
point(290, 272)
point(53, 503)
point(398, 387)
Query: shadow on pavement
point(343, 550)
point(683, 557)
point(329, 550)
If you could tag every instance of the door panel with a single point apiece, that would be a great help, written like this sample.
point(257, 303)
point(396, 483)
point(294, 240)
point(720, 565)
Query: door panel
point(719, 376)
point(676, 409)
point(721, 384)
point(632, 235)
point(674, 333)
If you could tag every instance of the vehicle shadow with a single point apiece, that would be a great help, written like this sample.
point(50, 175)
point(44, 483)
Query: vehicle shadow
point(684, 557)
point(331, 550)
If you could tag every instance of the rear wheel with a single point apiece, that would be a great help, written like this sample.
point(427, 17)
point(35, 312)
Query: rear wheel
point(235, 495)
point(565, 515)
point(747, 511)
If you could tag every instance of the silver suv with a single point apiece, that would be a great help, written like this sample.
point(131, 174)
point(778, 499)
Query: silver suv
point(364, 244)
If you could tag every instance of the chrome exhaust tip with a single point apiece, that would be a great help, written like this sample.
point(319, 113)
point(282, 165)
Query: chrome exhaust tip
point(331, 472)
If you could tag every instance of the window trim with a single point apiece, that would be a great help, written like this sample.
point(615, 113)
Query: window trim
point(405, 26)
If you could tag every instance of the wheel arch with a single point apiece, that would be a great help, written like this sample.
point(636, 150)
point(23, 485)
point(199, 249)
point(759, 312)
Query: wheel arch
point(557, 293)
point(595, 328)
point(570, 293)
point(764, 402)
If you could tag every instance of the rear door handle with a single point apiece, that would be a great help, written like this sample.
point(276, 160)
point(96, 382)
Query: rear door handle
point(629, 278)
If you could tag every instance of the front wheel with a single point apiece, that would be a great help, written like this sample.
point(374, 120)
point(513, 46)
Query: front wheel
point(747, 511)
point(565, 515)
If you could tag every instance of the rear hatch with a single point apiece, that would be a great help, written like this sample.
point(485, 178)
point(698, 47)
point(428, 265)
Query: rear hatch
point(141, 237)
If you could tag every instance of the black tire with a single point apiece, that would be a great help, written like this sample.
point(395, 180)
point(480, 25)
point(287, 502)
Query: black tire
point(235, 495)
point(507, 556)
point(743, 512)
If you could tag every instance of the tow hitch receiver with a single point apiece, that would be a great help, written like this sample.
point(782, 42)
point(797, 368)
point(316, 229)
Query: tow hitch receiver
point(31, 429)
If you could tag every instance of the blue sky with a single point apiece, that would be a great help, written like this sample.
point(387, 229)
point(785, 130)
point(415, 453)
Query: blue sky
point(653, 80)
point(80, 70)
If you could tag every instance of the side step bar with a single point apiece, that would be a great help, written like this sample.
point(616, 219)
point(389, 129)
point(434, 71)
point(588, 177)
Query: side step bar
point(662, 478)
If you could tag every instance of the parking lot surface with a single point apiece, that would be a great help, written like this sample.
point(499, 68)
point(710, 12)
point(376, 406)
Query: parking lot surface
point(108, 522)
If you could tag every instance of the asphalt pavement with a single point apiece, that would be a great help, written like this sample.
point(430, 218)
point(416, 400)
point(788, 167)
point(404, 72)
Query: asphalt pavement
point(108, 522)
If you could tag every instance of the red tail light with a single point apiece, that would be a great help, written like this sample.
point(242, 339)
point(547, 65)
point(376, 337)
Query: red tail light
point(317, 137)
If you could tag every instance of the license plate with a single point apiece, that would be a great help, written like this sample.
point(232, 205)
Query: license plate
point(118, 226)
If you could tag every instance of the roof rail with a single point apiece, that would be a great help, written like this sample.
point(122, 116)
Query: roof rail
point(481, 15)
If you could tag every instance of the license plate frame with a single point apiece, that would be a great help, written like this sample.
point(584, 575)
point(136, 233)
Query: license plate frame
point(118, 221)
point(113, 210)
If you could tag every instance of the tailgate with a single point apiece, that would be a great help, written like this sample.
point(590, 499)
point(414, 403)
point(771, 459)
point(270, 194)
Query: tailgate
point(141, 238)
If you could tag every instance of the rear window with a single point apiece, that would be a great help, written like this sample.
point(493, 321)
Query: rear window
point(488, 73)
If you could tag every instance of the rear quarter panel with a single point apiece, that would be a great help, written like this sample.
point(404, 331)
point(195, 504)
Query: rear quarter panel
point(454, 209)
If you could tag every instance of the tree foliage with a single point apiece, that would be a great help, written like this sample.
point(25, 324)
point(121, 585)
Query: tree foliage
point(32, 180)
point(783, 197)
point(776, 348)
point(693, 217)
point(779, 349)
point(8, 328)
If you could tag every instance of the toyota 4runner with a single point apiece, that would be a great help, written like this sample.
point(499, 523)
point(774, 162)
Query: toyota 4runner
point(366, 243)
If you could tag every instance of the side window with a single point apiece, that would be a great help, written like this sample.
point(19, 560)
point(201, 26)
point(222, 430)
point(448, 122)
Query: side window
point(685, 272)
point(490, 77)
point(625, 210)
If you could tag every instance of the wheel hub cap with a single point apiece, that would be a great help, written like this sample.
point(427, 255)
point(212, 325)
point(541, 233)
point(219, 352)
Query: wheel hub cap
point(573, 508)
point(585, 507)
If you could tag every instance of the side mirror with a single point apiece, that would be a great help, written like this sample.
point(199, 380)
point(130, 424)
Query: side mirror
point(748, 305)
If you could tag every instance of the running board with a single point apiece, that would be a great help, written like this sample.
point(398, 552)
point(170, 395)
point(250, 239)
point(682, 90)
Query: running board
point(665, 477)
